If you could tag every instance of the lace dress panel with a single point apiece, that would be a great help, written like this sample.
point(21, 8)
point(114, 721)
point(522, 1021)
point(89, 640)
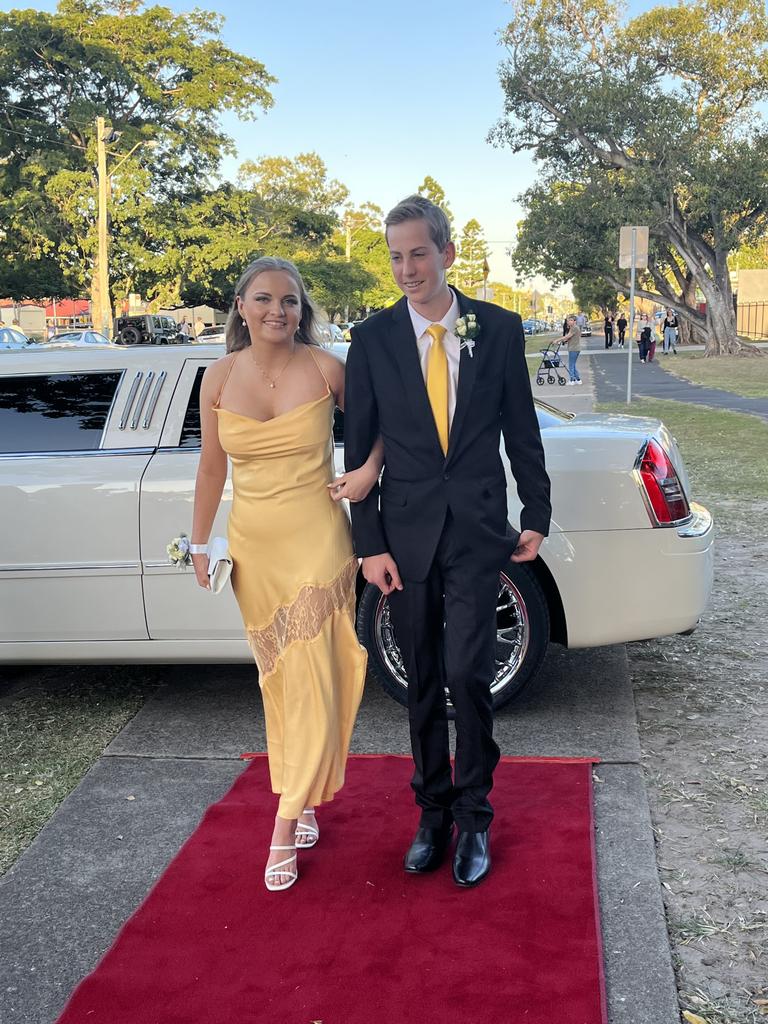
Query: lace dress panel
point(303, 618)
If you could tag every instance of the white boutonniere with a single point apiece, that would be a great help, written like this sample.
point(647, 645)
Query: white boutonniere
point(178, 551)
point(467, 330)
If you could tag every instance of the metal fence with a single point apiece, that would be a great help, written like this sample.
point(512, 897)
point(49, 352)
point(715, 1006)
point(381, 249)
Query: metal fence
point(752, 320)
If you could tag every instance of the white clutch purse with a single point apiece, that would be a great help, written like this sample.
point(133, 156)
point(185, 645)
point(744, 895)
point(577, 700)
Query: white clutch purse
point(219, 564)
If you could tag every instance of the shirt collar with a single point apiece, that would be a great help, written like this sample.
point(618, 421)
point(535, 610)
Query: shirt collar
point(420, 323)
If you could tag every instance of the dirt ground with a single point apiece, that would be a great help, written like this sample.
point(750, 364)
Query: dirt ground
point(702, 704)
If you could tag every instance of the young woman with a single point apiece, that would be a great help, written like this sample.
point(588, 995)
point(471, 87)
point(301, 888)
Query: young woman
point(669, 326)
point(268, 406)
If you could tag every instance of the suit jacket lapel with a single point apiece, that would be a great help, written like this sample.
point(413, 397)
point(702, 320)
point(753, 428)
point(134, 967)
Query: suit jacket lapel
point(467, 375)
point(407, 356)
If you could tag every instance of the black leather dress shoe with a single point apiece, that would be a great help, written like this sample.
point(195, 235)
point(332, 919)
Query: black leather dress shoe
point(472, 860)
point(427, 850)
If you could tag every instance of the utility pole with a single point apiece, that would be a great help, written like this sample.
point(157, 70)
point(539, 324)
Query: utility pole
point(103, 313)
point(348, 226)
point(633, 255)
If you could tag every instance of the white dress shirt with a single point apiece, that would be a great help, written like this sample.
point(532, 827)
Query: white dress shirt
point(451, 343)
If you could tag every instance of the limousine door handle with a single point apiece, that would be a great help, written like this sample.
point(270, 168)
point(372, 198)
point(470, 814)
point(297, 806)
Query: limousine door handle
point(153, 399)
point(142, 399)
point(131, 397)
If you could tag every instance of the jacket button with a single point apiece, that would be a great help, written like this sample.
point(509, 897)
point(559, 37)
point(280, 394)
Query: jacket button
point(446, 476)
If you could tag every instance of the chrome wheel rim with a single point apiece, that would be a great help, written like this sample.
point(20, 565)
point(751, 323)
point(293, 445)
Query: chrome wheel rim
point(513, 633)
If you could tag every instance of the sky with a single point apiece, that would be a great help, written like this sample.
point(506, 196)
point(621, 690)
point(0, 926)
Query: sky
point(385, 93)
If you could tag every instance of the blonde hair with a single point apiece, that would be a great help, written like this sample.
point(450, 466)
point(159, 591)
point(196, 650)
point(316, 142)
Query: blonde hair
point(420, 208)
point(236, 333)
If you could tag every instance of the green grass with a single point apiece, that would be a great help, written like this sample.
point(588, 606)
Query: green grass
point(726, 453)
point(51, 734)
point(741, 374)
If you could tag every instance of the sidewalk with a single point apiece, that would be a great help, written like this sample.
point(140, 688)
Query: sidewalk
point(650, 380)
point(64, 900)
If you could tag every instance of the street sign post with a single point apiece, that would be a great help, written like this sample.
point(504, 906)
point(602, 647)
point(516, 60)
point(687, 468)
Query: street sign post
point(633, 253)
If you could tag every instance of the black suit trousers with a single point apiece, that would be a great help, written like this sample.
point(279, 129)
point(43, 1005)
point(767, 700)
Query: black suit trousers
point(446, 629)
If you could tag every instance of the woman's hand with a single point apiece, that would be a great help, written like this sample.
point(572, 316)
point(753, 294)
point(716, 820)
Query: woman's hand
point(354, 485)
point(200, 564)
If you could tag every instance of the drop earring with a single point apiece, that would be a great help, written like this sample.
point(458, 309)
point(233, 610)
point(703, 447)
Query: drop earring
point(244, 324)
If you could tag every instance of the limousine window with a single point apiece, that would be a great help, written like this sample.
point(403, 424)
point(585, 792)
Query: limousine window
point(190, 431)
point(57, 412)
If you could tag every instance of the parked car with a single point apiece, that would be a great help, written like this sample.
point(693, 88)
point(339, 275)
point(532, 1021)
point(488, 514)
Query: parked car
point(211, 335)
point(79, 338)
point(12, 339)
point(148, 329)
point(99, 449)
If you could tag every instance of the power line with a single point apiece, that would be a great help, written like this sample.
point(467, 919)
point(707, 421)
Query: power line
point(28, 110)
point(34, 120)
point(53, 142)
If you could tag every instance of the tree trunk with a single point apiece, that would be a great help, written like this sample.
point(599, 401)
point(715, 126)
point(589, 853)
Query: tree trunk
point(95, 298)
point(720, 336)
point(689, 333)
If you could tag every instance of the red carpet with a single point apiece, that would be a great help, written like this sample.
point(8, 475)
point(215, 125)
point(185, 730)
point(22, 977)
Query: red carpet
point(356, 941)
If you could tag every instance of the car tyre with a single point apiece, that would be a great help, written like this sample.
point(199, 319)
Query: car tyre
point(522, 621)
point(130, 336)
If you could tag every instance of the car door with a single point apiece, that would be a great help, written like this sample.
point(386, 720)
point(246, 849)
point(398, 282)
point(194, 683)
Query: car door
point(69, 547)
point(176, 607)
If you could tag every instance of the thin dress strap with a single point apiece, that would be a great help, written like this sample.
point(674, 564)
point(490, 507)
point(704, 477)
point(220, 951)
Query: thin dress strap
point(216, 404)
point(319, 367)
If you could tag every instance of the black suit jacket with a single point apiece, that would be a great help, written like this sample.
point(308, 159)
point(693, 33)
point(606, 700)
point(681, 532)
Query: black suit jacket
point(385, 394)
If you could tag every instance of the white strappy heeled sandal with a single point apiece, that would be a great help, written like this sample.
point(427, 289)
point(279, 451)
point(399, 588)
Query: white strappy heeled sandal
point(310, 833)
point(281, 868)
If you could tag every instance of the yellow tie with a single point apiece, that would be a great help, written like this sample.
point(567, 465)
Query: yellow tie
point(437, 382)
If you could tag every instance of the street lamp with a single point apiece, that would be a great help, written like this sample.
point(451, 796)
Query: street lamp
point(103, 320)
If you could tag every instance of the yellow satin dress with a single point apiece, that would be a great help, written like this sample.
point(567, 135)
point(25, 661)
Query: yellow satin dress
point(294, 576)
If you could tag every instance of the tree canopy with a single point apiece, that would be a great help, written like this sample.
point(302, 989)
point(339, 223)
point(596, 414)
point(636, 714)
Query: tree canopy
point(655, 121)
point(156, 77)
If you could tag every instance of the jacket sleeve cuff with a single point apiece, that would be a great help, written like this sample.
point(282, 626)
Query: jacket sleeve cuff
point(530, 521)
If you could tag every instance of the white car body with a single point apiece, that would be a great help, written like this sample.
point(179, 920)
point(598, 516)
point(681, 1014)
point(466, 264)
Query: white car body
point(84, 574)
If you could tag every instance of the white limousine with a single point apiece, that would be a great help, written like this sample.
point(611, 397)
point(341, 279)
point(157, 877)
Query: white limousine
point(98, 454)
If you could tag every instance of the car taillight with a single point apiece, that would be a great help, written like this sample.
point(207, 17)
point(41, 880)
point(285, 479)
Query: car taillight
point(662, 485)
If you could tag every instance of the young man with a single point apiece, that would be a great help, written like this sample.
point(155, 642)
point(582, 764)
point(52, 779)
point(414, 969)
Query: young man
point(440, 377)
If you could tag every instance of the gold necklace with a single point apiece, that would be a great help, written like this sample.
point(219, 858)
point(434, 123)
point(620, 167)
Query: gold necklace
point(272, 381)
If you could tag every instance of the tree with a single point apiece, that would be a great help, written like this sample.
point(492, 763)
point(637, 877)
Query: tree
point(592, 294)
point(155, 76)
point(472, 254)
point(361, 238)
point(432, 190)
point(678, 137)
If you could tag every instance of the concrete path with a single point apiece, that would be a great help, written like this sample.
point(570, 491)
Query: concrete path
point(650, 380)
point(67, 896)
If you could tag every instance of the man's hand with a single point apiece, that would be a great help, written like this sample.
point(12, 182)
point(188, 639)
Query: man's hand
point(382, 571)
point(527, 547)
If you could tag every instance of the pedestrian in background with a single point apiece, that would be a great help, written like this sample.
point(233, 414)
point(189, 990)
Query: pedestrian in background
point(669, 326)
point(184, 329)
point(573, 340)
point(644, 337)
point(199, 326)
point(608, 330)
point(621, 323)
